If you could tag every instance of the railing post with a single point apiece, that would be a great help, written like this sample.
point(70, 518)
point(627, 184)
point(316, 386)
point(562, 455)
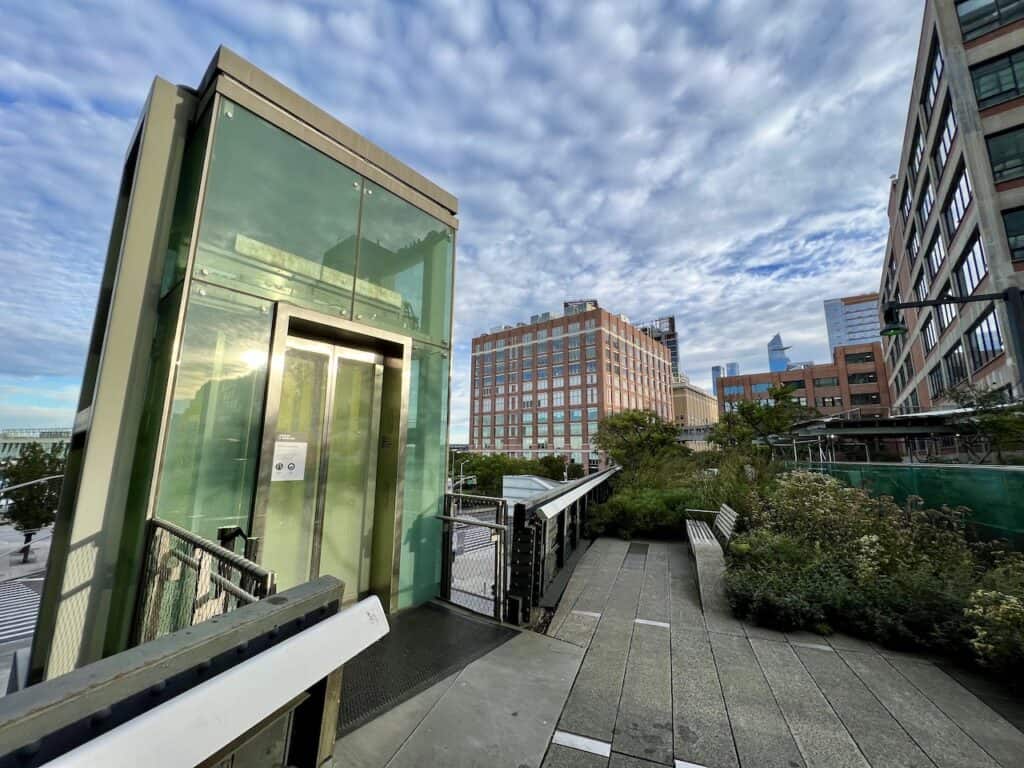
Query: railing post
point(522, 554)
point(446, 558)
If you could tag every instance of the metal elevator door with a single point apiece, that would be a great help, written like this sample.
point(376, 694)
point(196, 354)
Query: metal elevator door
point(320, 500)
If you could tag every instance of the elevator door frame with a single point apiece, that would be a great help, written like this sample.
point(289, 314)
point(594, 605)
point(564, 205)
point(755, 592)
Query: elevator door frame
point(396, 352)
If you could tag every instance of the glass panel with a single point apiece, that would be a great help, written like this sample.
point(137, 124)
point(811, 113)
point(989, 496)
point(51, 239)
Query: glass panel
point(279, 217)
point(351, 475)
point(291, 506)
point(211, 456)
point(420, 573)
point(185, 204)
point(405, 268)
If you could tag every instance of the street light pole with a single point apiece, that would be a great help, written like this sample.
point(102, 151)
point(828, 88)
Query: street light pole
point(1014, 298)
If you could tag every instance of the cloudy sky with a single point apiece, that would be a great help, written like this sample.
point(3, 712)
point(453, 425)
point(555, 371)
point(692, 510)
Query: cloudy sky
point(725, 161)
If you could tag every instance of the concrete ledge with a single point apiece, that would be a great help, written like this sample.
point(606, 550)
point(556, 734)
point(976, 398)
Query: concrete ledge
point(709, 560)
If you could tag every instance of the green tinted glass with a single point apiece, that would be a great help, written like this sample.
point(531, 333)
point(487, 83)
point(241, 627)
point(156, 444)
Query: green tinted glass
point(212, 448)
point(279, 217)
point(424, 479)
point(405, 268)
point(183, 219)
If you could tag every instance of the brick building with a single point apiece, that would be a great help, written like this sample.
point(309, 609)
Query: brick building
point(540, 388)
point(855, 379)
point(956, 206)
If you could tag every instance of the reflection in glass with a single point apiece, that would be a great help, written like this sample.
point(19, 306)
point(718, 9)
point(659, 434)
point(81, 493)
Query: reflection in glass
point(212, 448)
point(351, 475)
point(404, 268)
point(420, 573)
point(291, 506)
point(279, 217)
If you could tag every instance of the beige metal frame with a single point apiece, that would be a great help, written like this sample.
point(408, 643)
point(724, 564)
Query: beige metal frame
point(362, 342)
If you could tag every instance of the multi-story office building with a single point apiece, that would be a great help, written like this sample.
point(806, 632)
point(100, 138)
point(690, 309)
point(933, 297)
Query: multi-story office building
point(731, 369)
point(956, 205)
point(14, 441)
point(541, 388)
point(852, 320)
point(696, 411)
point(664, 330)
point(855, 379)
point(778, 360)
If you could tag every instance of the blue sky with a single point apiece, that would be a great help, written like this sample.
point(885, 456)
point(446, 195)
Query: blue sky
point(726, 161)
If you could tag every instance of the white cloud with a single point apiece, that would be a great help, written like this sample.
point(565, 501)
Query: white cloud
point(725, 162)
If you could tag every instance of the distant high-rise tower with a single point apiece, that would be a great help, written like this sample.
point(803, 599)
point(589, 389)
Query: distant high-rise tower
point(778, 360)
point(664, 330)
point(852, 320)
point(731, 369)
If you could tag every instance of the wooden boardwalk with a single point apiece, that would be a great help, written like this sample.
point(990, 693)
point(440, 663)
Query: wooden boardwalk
point(662, 683)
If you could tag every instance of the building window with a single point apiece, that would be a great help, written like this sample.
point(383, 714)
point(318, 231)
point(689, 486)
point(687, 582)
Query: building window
point(915, 160)
point(984, 340)
point(936, 256)
point(762, 386)
point(830, 402)
point(860, 357)
point(979, 17)
point(794, 384)
point(956, 365)
point(956, 205)
point(1006, 151)
point(827, 381)
point(921, 286)
point(862, 378)
point(905, 205)
point(999, 80)
point(945, 139)
point(946, 312)
point(865, 398)
point(1014, 223)
point(927, 202)
point(734, 390)
point(972, 268)
point(936, 382)
point(935, 67)
point(913, 245)
point(929, 336)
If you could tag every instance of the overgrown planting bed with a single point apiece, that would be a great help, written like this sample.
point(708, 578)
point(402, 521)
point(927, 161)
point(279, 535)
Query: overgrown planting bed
point(818, 555)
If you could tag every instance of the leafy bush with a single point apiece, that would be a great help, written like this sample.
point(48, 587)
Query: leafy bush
point(650, 512)
point(821, 555)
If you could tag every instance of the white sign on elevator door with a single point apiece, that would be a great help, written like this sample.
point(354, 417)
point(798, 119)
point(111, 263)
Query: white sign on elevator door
point(289, 461)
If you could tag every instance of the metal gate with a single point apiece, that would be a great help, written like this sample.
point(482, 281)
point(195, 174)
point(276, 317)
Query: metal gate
point(474, 555)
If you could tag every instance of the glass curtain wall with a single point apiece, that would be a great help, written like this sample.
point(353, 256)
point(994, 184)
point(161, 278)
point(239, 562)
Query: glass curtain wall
point(281, 221)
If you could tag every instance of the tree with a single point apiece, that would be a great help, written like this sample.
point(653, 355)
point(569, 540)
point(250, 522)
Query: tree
point(558, 467)
point(990, 423)
point(753, 421)
point(636, 438)
point(35, 507)
point(731, 432)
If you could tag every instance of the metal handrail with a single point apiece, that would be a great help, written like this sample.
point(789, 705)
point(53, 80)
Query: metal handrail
point(218, 551)
point(536, 502)
point(475, 523)
point(9, 488)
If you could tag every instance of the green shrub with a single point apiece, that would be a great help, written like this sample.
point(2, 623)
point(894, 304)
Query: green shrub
point(997, 619)
point(818, 554)
point(648, 512)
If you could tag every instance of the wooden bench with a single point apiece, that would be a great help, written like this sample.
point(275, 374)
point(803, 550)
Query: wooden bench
point(706, 548)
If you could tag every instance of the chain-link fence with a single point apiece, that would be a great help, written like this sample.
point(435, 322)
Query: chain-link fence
point(475, 563)
point(188, 580)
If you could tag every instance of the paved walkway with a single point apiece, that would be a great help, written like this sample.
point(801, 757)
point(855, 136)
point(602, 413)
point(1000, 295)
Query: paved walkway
point(634, 674)
point(663, 683)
